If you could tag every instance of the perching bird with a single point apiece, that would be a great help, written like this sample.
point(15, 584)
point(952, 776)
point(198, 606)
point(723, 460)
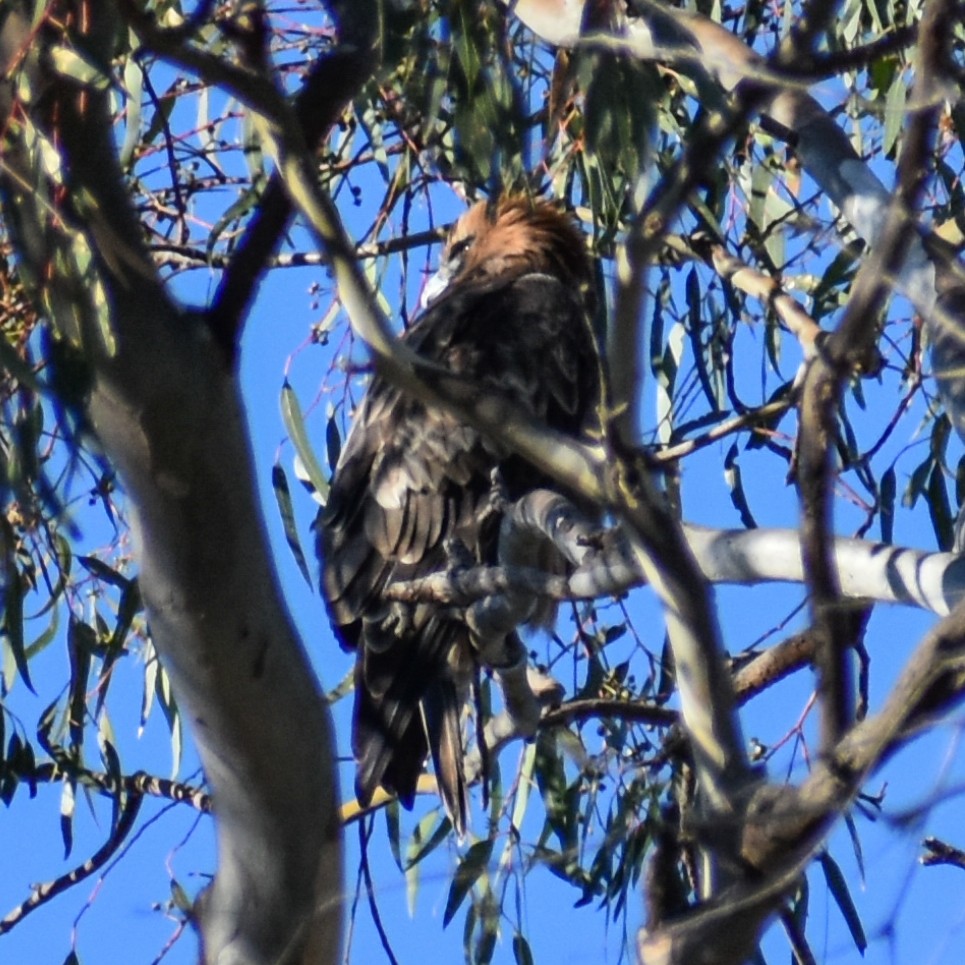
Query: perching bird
point(510, 311)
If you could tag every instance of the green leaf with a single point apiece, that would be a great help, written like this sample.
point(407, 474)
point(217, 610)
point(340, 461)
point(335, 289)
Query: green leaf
point(471, 866)
point(180, 899)
point(163, 106)
point(251, 140)
point(134, 89)
point(595, 677)
point(291, 413)
point(917, 482)
point(486, 944)
point(562, 866)
point(12, 625)
point(799, 903)
point(9, 776)
point(171, 714)
point(127, 609)
point(112, 763)
point(344, 687)
point(393, 831)
point(521, 953)
point(283, 497)
point(886, 503)
point(67, 807)
point(895, 112)
point(619, 113)
point(16, 367)
point(78, 67)
point(235, 212)
point(842, 896)
point(938, 441)
point(81, 642)
point(151, 668)
point(420, 845)
point(467, 929)
point(129, 606)
point(938, 508)
point(551, 780)
point(856, 845)
point(333, 442)
point(732, 476)
point(960, 482)
point(104, 572)
point(523, 787)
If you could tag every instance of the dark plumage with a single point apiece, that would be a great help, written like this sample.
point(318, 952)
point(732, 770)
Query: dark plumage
point(513, 318)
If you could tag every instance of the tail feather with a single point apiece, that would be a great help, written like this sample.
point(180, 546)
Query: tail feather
point(442, 712)
point(408, 704)
point(389, 752)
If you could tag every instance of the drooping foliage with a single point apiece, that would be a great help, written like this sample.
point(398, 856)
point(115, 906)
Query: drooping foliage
point(745, 277)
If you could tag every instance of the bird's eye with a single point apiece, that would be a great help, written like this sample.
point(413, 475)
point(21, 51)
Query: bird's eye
point(460, 247)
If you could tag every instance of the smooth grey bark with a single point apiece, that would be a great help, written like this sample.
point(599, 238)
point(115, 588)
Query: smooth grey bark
point(165, 406)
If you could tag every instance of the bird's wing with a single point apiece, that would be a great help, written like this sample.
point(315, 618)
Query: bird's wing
point(411, 477)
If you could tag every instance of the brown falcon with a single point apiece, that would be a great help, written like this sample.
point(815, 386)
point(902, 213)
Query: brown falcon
point(512, 315)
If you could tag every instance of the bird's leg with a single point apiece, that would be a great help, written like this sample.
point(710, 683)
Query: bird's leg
point(539, 518)
point(492, 624)
point(503, 728)
point(493, 507)
point(544, 514)
point(458, 555)
point(493, 619)
point(522, 707)
point(387, 625)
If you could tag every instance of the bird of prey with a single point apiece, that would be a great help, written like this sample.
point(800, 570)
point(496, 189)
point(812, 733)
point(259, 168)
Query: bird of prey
point(509, 311)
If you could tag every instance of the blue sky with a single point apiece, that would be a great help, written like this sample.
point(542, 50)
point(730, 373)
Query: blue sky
point(118, 923)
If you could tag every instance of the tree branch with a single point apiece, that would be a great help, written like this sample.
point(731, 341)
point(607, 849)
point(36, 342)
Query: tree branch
point(605, 564)
point(851, 348)
point(167, 410)
point(940, 852)
point(51, 889)
point(930, 275)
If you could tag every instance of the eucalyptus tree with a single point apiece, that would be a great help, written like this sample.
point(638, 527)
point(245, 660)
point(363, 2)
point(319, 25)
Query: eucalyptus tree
point(773, 199)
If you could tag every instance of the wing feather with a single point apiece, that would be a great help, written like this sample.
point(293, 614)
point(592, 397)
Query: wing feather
point(410, 478)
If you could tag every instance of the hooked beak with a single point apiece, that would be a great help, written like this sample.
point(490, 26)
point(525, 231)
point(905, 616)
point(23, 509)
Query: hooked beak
point(435, 286)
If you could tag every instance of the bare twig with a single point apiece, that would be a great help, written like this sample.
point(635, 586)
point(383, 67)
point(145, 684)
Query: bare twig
point(940, 852)
point(140, 783)
point(848, 351)
point(51, 889)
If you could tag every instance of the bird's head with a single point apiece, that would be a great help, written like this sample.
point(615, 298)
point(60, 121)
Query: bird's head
point(510, 237)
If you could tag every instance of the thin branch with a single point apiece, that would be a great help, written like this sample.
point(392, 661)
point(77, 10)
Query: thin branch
point(329, 86)
point(630, 710)
point(788, 656)
point(940, 852)
point(768, 290)
point(746, 420)
point(139, 783)
point(51, 889)
point(868, 570)
point(189, 256)
point(364, 835)
point(796, 938)
point(848, 350)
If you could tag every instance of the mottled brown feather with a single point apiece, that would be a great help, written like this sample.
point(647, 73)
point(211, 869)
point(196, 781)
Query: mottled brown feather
point(515, 320)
